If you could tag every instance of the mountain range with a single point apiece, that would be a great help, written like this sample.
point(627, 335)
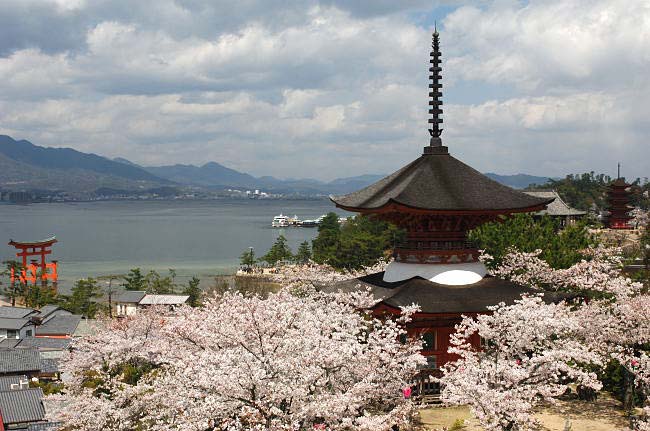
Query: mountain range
point(25, 166)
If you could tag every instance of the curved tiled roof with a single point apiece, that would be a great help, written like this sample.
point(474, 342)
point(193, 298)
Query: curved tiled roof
point(439, 298)
point(440, 182)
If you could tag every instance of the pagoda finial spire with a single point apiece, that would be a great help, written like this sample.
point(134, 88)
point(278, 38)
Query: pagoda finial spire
point(435, 91)
point(618, 174)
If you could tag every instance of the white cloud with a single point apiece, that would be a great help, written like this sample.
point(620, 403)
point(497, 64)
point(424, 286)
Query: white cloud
point(326, 90)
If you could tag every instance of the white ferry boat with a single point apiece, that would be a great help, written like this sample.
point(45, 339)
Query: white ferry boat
point(280, 221)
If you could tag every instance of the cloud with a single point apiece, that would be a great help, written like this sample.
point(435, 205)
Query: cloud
point(329, 89)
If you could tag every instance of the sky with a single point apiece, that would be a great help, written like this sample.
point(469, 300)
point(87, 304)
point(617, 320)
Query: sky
point(332, 88)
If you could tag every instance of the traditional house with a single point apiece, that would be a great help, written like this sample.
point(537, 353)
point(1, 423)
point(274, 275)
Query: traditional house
point(16, 328)
point(557, 209)
point(128, 302)
point(16, 362)
point(437, 199)
point(23, 409)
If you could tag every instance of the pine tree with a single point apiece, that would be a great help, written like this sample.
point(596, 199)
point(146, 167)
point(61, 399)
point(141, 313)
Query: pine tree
point(325, 244)
point(303, 255)
point(194, 292)
point(279, 252)
point(247, 258)
point(83, 298)
point(134, 280)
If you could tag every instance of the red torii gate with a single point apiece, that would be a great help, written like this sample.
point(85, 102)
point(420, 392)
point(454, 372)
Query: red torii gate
point(35, 269)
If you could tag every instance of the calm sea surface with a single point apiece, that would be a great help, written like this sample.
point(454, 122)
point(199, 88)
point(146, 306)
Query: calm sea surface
point(202, 238)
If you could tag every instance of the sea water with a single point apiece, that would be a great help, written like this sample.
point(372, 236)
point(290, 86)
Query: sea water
point(195, 238)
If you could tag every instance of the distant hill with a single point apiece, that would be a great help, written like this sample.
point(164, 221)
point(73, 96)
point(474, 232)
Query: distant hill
point(210, 174)
point(24, 165)
point(518, 181)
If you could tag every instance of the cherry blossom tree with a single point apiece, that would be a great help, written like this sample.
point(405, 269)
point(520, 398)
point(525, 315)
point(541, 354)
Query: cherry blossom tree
point(280, 363)
point(531, 351)
point(616, 319)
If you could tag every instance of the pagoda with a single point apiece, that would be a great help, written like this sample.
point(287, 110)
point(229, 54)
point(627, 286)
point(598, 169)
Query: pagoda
point(618, 198)
point(437, 199)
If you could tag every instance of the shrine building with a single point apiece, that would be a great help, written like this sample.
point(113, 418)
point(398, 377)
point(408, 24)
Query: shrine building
point(618, 200)
point(437, 199)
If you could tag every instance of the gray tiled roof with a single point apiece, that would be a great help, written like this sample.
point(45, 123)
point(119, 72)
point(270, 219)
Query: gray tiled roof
point(131, 296)
point(47, 309)
point(49, 365)
point(9, 343)
point(439, 182)
point(558, 207)
point(59, 325)
point(7, 381)
point(15, 312)
point(40, 343)
point(15, 324)
point(439, 298)
point(22, 406)
point(14, 361)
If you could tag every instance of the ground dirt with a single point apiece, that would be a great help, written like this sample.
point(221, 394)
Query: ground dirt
point(604, 414)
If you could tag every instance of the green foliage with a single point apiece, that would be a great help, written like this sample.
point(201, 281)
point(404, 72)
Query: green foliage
point(325, 244)
point(12, 290)
point(279, 252)
point(134, 280)
point(49, 388)
point(82, 300)
point(194, 292)
point(613, 377)
point(38, 295)
point(560, 248)
point(459, 424)
point(247, 258)
point(303, 255)
point(153, 282)
point(159, 285)
point(361, 241)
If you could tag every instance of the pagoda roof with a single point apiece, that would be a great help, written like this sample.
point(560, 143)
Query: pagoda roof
point(435, 298)
point(439, 183)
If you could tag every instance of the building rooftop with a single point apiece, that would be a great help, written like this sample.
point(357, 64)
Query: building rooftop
point(164, 299)
point(39, 343)
point(13, 361)
point(556, 208)
point(12, 383)
point(439, 298)
point(438, 182)
point(130, 296)
point(59, 325)
point(22, 406)
point(14, 324)
point(16, 312)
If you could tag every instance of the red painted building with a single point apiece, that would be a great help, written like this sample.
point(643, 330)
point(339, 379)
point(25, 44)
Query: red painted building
point(618, 199)
point(437, 199)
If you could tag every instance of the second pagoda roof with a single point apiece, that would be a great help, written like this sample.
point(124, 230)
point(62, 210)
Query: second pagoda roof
point(440, 183)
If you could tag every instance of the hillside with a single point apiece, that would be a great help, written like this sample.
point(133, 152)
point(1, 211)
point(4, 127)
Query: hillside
point(24, 165)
